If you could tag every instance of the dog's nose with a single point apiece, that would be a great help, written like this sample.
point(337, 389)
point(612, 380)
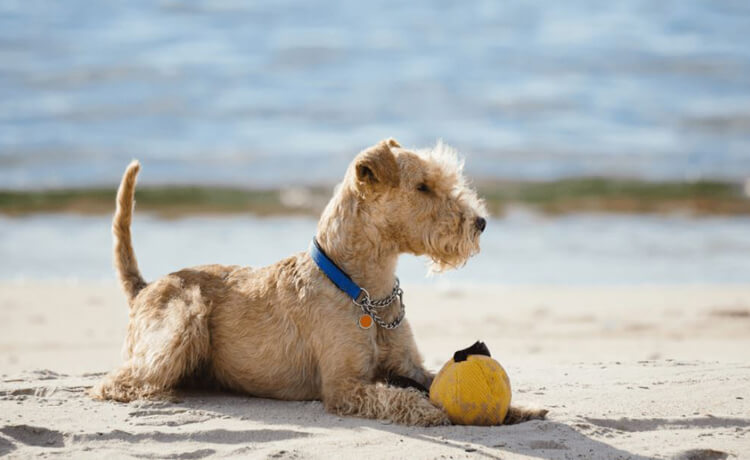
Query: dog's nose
point(481, 223)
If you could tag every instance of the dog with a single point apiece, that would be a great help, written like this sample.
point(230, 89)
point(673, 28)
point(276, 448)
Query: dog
point(291, 330)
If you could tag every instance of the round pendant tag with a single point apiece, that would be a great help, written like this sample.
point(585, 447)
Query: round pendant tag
point(365, 321)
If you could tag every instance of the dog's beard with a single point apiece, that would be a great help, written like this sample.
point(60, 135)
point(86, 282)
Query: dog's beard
point(450, 250)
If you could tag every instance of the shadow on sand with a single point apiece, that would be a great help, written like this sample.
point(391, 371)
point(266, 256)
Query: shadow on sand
point(547, 439)
point(194, 417)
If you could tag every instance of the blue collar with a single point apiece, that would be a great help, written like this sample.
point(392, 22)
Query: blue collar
point(344, 282)
point(333, 272)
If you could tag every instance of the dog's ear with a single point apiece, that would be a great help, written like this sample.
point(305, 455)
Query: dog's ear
point(376, 167)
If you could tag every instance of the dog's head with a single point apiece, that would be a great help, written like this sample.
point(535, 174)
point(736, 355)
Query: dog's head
point(419, 200)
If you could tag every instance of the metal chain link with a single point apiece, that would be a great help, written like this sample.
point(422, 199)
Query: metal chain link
point(370, 306)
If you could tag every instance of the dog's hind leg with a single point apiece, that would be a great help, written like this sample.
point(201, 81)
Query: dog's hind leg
point(166, 343)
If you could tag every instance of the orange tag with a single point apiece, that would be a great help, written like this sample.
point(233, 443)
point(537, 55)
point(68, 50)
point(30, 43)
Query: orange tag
point(365, 321)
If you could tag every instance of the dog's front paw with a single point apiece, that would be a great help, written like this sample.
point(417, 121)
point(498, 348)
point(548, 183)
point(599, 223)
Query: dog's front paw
point(419, 411)
point(431, 417)
point(424, 413)
point(439, 420)
point(522, 414)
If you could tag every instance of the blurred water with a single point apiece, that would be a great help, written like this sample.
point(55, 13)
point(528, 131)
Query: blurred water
point(518, 249)
point(261, 93)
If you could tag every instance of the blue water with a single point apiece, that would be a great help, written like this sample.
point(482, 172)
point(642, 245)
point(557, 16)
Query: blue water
point(262, 93)
point(521, 248)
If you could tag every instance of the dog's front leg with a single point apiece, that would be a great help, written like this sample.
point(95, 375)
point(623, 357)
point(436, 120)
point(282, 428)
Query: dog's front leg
point(401, 358)
point(348, 387)
point(404, 406)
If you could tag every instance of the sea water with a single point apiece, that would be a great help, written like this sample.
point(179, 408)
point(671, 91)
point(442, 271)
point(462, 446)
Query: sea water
point(267, 94)
point(271, 93)
point(520, 248)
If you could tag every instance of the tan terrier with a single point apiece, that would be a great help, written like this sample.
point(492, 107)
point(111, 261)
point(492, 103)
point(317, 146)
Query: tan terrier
point(287, 331)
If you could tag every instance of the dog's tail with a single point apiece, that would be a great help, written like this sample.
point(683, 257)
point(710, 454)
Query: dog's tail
point(124, 256)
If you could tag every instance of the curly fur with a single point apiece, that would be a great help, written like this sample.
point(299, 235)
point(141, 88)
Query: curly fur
point(285, 331)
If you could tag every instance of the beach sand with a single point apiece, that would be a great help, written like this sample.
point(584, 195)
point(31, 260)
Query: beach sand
point(626, 372)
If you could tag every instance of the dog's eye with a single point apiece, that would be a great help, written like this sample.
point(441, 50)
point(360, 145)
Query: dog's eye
point(423, 187)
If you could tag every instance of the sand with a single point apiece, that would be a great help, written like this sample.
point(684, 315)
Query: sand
point(627, 372)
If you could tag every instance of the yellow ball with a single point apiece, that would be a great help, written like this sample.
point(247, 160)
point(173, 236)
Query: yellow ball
point(472, 389)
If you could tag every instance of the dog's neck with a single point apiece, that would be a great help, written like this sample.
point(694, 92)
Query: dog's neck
point(356, 246)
